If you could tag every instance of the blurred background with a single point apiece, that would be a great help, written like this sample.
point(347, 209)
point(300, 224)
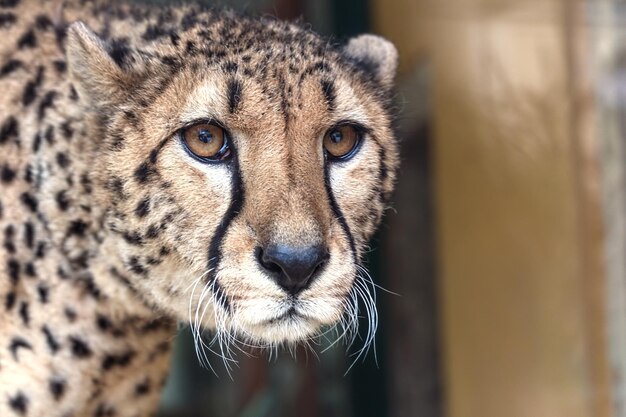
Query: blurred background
point(507, 240)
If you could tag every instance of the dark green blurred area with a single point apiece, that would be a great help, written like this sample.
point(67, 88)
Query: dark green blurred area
point(401, 377)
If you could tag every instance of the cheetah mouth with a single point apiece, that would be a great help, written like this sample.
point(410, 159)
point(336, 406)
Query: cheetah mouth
point(290, 315)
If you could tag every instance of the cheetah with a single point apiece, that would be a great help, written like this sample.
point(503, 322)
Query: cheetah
point(164, 165)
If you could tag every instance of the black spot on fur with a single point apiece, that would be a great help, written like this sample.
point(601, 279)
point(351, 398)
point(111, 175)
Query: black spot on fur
point(37, 142)
point(144, 172)
point(91, 287)
point(174, 38)
point(29, 201)
point(46, 103)
point(131, 117)
point(154, 32)
point(9, 301)
point(117, 142)
point(19, 403)
point(13, 268)
point(7, 19)
point(117, 361)
point(142, 388)
point(116, 184)
point(28, 174)
point(85, 182)
point(7, 174)
point(29, 269)
point(27, 40)
point(43, 292)
point(30, 93)
point(133, 238)
point(153, 231)
point(61, 273)
point(10, 66)
point(67, 130)
point(24, 314)
point(9, 129)
point(40, 252)
point(57, 388)
point(79, 348)
point(9, 239)
point(63, 203)
point(60, 66)
point(191, 48)
point(230, 67)
point(29, 235)
point(73, 94)
point(143, 207)
point(135, 266)
point(70, 314)
point(19, 343)
point(189, 19)
point(234, 95)
point(43, 22)
point(77, 228)
point(63, 160)
point(51, 341)
point(103, 323)
point(119, 51)
point(49, 135)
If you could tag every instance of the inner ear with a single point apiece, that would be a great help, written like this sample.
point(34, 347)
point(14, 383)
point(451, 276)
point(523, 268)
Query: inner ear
point(375, 55)
point(100, 71)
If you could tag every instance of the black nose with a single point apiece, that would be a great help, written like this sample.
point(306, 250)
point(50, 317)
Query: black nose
point(292, 267)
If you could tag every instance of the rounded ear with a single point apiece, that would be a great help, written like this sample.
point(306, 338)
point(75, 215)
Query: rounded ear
point(375, 55)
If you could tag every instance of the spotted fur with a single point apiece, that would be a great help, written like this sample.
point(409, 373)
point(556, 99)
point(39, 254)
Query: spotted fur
point(111, 232)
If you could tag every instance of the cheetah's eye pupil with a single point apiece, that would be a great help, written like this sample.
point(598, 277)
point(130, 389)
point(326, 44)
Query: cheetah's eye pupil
point(206, 141)
point(336, 136)
point(341, 142)
point(205, 136)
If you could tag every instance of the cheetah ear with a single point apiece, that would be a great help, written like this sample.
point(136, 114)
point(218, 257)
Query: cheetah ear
point(375, 55)
point(96, 76)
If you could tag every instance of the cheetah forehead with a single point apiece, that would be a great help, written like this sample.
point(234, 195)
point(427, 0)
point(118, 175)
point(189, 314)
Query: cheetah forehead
point(277, 55)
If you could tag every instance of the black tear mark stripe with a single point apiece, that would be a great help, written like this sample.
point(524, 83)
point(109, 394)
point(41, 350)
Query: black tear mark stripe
point(339, 214)
point(215, 248)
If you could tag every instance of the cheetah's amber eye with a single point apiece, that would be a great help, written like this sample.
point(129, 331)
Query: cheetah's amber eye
point(340, 142)
point(206, 141)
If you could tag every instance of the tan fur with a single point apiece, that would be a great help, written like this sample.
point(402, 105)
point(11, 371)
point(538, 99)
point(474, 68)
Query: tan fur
point(112, 232)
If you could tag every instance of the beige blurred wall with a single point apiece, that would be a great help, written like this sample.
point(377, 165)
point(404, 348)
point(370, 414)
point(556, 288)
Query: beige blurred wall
point(519, 230)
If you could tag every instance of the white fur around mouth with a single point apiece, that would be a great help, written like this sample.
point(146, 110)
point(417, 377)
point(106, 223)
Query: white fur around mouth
point(274, 321)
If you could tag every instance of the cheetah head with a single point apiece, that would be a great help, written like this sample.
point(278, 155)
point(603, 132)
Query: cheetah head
point(243, 166)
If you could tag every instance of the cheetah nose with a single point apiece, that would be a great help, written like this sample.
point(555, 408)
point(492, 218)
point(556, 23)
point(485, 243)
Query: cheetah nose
point(292, 267)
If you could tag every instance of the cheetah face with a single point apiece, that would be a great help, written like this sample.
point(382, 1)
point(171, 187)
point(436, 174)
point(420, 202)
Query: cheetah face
point(242, 184)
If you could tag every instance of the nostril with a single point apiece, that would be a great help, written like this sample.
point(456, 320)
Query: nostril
point(267, 263)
